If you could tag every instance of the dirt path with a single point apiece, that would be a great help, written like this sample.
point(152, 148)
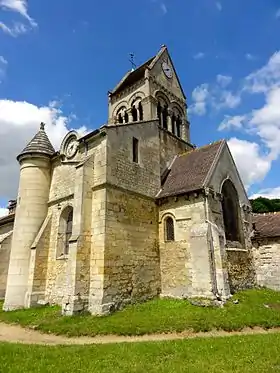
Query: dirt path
point(17, 334)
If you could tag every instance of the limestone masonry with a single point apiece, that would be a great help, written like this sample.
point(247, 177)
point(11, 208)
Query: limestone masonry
point(132, 210)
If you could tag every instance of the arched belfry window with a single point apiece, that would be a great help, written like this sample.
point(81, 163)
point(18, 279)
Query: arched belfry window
point(165, 117)
point(140, 110)
point(159, 111)
point(169, 229)
point(126, 118)
point(178, 126)
point(134, 114)
point(231, 212)
point(65, 231)
point(173, 123)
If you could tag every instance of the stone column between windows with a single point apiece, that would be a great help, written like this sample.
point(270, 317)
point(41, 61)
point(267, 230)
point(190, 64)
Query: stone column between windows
point(169, 120)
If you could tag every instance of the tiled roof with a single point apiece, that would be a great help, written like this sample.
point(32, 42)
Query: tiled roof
point(39, 144)
point(7, 219)
point(4, 236)
point(267, 225)
point(189, 170)
point(132, 77)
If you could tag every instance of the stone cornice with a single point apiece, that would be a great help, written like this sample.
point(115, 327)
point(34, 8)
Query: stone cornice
point(127, 91)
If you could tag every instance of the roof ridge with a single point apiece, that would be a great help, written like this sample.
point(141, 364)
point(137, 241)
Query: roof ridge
point(201, 147)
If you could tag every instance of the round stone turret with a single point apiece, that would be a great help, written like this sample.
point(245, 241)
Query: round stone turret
point(40, 144)
point(31, 211)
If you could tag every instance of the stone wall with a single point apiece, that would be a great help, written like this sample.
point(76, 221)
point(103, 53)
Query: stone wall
point(142, 177)
point(5, 249)
point(57, 264)
point(184, 262)
point(170, 146)
point(241, 270)
point(38, 266)
point(72, 184)
point(131, 258)
point(267, 262)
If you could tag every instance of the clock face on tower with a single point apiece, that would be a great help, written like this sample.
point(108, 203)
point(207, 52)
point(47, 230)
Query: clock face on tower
point(167, 69)
point(71, 148)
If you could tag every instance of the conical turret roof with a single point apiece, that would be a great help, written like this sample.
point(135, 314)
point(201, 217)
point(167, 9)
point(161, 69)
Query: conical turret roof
point(40, 144)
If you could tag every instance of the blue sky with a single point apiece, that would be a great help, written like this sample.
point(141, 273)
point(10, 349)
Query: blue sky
point(59, 58)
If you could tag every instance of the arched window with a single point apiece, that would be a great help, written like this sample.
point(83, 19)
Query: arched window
point(65, 231)
point(165, 117)
point(231, 212)
point(178, 126)
point(140, 109)
point(159, 110)
point(173, 122)
point(126, 118)
point(134, 113)
point(169, 229)
point(120, 118)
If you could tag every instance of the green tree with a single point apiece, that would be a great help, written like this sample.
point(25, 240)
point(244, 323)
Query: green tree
point(261, 205)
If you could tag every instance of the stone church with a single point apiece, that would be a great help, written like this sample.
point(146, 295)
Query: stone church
point(131, 210)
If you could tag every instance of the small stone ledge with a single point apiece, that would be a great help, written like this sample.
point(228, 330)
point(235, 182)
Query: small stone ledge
point(63, 257)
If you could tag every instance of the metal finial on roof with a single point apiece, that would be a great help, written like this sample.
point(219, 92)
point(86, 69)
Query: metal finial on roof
point(42, 126)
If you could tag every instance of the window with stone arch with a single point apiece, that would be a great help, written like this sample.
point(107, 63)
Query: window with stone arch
point(231, 212)
point(137, 109)
point(121, 115)
point(176, 119)
point(169, 230)
point(65, 231)
point(162, 109)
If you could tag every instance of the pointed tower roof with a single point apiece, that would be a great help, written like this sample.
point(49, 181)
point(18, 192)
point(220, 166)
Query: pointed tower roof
point(40, 144)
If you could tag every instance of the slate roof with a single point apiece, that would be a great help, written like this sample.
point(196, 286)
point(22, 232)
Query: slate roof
point(39, 144)
point(132, 77)
point(189, 170)
point(267, 225)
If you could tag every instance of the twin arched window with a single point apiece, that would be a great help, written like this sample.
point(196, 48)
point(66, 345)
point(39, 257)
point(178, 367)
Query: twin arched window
point(163, 114)
point(137, 113)
point(169, 229)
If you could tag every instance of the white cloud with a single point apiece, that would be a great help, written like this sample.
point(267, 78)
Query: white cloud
point(267, 193)
point(3, 211)
point(226, 99)
point(235, 122)
point(262, 80)
point(224, 80)
point(19, 122)
point(277, 14)
point(199, 56)
point(19, 6)
point(219, 6)
point(3, 66)
point(17, 28)
point(214, 96)
point(263, 122)
point(252, 164)
point(200, 96)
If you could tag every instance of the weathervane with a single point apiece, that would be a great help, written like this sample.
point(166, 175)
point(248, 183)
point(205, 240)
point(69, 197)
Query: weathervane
point(132, 61)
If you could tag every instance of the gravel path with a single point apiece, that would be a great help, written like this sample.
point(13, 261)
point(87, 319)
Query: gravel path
point(17, 334)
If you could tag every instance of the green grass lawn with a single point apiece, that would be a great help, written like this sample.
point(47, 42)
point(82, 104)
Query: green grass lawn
point(247, 354)
point(158, 316)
